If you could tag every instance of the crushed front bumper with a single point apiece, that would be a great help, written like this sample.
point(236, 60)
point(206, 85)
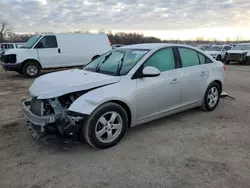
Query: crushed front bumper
point(37, 120)
point(62, 124)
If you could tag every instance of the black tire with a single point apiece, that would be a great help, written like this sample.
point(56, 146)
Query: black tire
point(89, 126)
point(205, 105)
point(27, 73)
point(20, 72)
point(218, 58)
point(227, 59)
point(247, 60)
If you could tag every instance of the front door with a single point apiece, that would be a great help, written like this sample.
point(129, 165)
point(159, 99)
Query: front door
point(48, 52)
point(194, 76)
point(157, 95)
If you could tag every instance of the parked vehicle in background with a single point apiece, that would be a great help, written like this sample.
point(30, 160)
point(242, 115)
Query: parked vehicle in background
point(218, 52)
point(55, 51)
point(240, 53)
point(122, 88)
point(203, 46)
point(19, 45)
point(7, 46)
point(116, 46)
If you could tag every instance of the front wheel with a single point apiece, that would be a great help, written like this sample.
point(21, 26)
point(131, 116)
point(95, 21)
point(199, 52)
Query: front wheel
point(31, 70)
point(212, 97)
point(227, 59)
point(106, 126)
point(218, 58)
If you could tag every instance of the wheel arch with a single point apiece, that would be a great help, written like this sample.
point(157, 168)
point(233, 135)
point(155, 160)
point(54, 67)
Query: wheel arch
point(126, 108)
point(217, 82)
point(81, 105)
point(31, 60)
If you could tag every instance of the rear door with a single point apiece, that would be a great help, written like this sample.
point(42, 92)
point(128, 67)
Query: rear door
point(48, 52)
point(194, 76)
point(157, 95)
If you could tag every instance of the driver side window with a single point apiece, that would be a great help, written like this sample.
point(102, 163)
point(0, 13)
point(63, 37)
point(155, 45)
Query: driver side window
point(163, 60)
point(47, 42)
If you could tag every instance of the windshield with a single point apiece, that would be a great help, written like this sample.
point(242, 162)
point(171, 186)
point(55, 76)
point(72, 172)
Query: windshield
point(30, 43)
point(241, 47)
point(214, 48)
point(116, 62)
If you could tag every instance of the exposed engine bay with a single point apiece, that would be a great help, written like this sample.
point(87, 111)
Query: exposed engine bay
point(52, 116)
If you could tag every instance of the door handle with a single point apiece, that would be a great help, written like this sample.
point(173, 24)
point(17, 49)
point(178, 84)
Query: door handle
point(203, 73)
point(59, 50)
point(175, 81)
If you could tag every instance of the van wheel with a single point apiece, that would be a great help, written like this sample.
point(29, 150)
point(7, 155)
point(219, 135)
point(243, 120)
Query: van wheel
point(106, 126)
point(212, 97)
point(31, 69)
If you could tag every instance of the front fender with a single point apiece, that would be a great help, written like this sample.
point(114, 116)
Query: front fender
point(88, 102)
point(24, 54)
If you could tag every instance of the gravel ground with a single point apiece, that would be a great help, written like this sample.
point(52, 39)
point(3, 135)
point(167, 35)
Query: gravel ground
point(190, 149)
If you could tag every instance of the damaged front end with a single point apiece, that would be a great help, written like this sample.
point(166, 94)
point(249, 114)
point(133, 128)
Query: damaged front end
point(51, 116)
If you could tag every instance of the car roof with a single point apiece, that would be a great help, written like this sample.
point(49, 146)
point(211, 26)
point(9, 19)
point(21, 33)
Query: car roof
point(151, 46)
point(219, 45)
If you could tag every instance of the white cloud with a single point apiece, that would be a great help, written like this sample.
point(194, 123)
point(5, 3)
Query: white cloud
point(160, 15)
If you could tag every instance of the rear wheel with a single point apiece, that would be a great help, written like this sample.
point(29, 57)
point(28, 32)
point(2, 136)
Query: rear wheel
point(31, 69)
point(212, 97)
point(106, 126)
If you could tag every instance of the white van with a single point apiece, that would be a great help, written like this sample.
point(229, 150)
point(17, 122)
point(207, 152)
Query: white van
point(55, 51)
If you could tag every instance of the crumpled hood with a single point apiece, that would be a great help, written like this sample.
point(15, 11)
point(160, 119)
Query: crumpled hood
point(63, 82)
point(239, 52)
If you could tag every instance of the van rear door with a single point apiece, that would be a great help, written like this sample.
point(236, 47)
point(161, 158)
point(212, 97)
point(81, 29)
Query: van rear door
point(49, 53)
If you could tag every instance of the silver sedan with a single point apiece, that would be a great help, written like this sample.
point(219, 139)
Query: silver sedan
point(122, 88)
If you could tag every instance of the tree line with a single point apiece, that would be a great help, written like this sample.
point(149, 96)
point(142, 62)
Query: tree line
point(6, 35)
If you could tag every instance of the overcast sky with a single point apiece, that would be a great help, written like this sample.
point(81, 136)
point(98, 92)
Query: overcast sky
point(162, 18)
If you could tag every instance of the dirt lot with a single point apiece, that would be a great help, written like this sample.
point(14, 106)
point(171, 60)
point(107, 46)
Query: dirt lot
point(191, 149)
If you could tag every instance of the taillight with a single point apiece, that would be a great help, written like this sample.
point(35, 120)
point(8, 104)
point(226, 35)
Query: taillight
point(110, 43)
point(224, 67)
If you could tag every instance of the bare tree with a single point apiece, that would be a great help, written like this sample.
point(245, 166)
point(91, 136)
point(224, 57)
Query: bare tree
point(4, 29)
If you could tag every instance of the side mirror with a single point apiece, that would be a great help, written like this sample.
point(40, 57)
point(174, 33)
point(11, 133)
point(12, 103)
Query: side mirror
point(150, 72)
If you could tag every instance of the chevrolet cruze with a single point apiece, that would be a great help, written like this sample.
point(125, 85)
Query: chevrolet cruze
point(123, 88)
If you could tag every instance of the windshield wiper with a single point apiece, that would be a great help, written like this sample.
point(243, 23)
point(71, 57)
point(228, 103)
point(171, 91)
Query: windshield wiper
point(97, 69)
point(120, 64)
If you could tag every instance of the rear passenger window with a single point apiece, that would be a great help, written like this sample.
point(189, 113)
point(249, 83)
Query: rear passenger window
point(204, 59)
point(48, 42)
point(189, 57)
point(163, 60)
